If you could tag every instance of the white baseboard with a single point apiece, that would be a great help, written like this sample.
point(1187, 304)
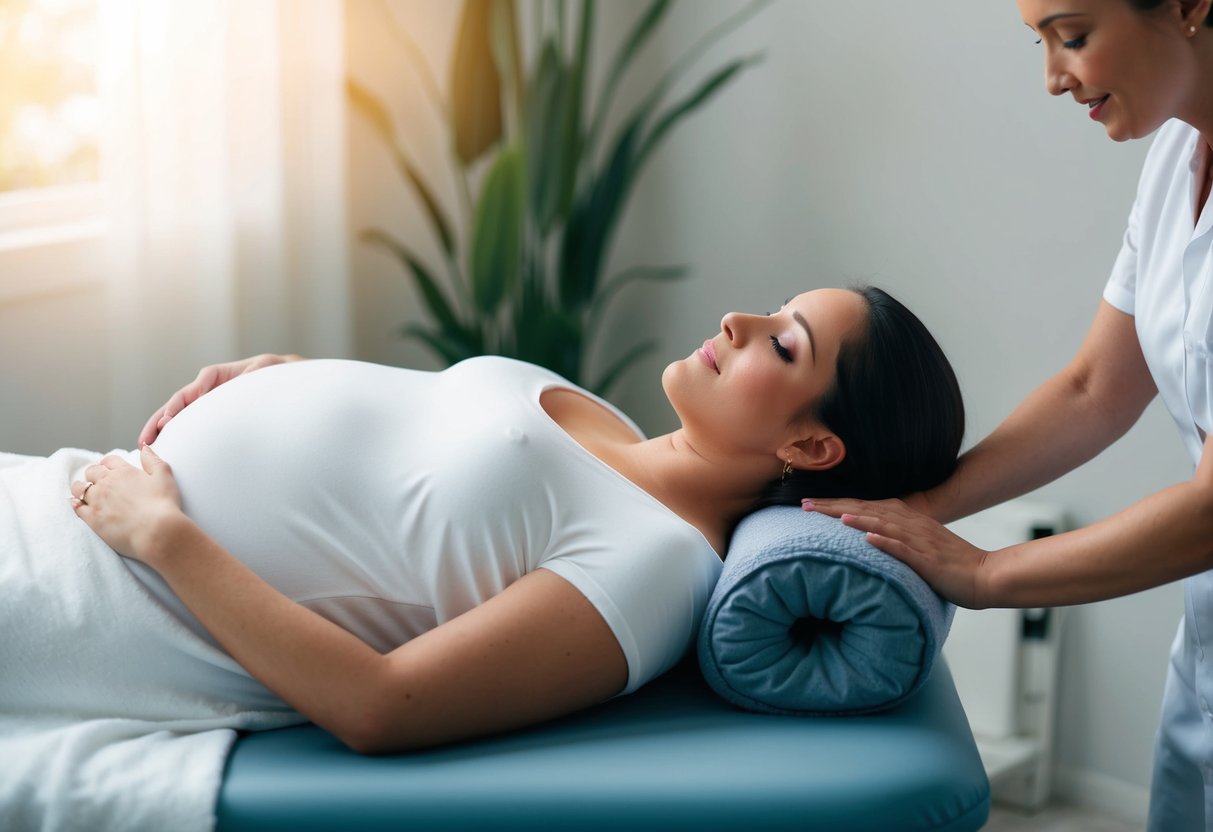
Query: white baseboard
point(1092, 790)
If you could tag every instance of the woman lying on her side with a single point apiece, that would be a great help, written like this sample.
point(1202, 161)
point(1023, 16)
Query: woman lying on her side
point(409, 558)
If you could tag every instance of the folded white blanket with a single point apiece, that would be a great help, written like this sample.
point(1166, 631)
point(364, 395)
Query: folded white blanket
point(113, 713)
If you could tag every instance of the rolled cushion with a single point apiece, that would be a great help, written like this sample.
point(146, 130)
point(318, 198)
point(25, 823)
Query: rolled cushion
point(809, 618)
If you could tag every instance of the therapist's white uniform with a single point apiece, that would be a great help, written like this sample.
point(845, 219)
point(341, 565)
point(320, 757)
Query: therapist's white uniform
point(1163, 276)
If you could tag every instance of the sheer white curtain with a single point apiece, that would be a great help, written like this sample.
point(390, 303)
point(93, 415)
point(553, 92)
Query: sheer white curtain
point(223, 161)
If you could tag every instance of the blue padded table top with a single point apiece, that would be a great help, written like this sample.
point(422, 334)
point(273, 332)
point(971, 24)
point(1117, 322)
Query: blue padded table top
point(672, 756)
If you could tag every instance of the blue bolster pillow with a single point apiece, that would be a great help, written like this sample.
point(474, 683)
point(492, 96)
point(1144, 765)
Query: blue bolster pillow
point(810, 618)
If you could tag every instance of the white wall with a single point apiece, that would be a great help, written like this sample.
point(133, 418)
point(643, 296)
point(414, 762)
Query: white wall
point(909, 146)
point(54, 371)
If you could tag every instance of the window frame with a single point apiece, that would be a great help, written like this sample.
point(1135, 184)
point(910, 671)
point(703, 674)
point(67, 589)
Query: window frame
point(51, 239)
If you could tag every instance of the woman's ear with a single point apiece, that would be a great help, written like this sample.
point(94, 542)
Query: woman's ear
point(1193, 13)
point(819, 452)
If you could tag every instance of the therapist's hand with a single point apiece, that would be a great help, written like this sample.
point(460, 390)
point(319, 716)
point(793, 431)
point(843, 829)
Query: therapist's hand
point(128, 507)
point(953, 567)
point(207, 380)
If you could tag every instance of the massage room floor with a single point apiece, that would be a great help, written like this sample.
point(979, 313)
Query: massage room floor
point(1056, 817)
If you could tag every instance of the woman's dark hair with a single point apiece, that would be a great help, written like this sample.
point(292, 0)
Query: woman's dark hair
point(1150, 5)
point(896, 406)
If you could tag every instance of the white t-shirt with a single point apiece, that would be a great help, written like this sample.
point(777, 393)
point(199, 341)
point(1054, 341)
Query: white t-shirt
point(391, 501)
point(1163, 276)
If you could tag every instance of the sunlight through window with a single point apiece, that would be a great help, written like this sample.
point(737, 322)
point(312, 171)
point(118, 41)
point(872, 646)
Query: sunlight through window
point(49, 108)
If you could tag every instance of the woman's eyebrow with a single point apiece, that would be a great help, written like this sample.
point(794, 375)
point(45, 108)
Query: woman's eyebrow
point(1042, 24)
point(812, 345)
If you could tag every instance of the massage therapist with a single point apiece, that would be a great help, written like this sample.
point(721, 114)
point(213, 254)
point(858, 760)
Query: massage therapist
point(1136, 67)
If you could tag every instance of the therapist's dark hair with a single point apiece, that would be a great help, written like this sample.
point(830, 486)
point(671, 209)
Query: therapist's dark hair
point(1150, 5)
point(895, 405)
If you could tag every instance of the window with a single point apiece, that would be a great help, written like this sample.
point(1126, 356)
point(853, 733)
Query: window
point(50, 115)
point(49, 109)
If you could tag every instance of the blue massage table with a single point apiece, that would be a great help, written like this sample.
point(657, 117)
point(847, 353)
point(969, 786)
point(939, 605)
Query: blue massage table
point(673, 756)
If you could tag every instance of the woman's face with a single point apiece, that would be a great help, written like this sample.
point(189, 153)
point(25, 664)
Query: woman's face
point(1130, 70)
point(745, 388)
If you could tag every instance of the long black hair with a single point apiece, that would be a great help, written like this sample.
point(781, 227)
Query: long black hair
point(895, 405)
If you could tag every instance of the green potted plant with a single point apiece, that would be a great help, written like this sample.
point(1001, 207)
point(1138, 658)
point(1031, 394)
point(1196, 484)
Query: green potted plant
point(527, 279)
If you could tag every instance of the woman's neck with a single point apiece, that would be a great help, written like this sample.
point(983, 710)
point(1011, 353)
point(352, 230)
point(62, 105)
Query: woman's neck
point(710, 491)
point(712, 494)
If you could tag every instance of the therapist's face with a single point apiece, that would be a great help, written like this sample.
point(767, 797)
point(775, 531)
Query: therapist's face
point(1129, 70)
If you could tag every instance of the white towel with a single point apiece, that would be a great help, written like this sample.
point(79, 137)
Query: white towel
point(113, 713)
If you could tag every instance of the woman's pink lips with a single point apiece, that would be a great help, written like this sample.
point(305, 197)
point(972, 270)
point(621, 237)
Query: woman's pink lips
point(708, 353)
point(1094, 112)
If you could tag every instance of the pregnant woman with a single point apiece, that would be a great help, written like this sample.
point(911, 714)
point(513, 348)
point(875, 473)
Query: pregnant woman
point(410, 558)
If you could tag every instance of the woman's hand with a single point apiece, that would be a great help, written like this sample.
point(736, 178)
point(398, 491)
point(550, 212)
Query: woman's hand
point(953, 567)
point(208, 379)
point(128, 507)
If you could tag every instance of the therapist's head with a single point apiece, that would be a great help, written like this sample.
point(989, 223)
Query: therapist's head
point(1130, 64)
point(894, 405)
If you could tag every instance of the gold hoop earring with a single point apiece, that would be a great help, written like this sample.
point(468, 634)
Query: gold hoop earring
point(787, 470)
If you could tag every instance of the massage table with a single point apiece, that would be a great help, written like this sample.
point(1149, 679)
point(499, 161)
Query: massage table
point(672, 756)
point(834, 640)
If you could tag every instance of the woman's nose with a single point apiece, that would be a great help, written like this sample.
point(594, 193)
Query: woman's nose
point(1058, 79)
point(733, 325)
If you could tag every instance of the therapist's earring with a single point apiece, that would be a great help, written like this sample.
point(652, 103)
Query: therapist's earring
point(1191, 31)
point(787, 470)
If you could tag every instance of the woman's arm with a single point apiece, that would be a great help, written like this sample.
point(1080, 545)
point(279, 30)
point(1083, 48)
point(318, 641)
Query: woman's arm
point(208, 379)
point(1064, 423)
point(536, 651)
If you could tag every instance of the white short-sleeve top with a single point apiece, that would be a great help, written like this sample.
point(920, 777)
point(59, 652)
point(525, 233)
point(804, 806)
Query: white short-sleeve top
point(1163, 276)
point(391, 500)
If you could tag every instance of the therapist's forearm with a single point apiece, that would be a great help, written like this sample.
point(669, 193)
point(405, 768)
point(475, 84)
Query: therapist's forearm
point(321, 670)
point(1165, 537)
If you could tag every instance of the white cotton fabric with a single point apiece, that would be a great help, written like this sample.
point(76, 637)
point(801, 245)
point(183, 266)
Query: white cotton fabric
point(392, 500)
point(113, 715)
point(1163, 276)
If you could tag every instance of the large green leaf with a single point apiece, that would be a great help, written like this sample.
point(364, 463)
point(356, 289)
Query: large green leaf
point(692, 102)
point(503, 41)
point(475, 84)
point(545, 99)
point(649, 105)
point(591, 224)
point(592, 221)
point(545, 334)
point(634, 275)
point(572, 137)
point(435, 300)
point(554, 137)
point(645, 26)
point(372, 109)
point(497, 235)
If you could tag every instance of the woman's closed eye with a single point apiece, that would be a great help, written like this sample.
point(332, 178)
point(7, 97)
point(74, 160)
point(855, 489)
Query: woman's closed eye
point(1074, 43)
point(781, 350)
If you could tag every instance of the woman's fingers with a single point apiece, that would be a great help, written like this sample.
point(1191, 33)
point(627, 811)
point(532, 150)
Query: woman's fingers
point(151, 429)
